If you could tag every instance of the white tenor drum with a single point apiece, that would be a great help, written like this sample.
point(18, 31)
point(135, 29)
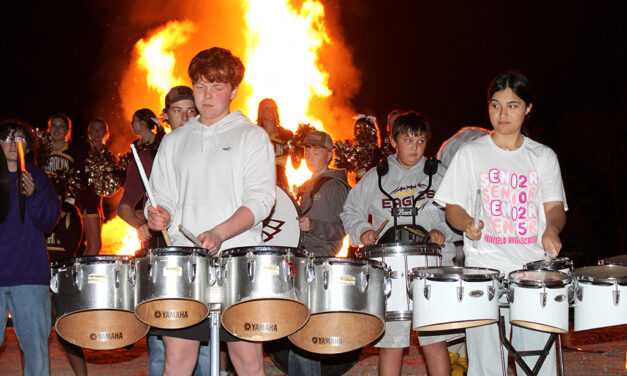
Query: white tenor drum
point(454, 297)
point(93, 302)
point(401, 258)
point(614, 260)
point(347, 304)
point(264, 290)
point(600, 296)
point(281, 227)
point(538, 299)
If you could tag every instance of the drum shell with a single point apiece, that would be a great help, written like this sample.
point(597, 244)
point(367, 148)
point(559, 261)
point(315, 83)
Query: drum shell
point(530, 308)
point(401, 259)
point(173, 273)
point(595, 304)
point(437, 305)
point(100, 283)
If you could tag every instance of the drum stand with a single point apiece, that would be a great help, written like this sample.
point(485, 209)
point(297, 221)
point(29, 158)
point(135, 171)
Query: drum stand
point(518, 355)
point(215, 299)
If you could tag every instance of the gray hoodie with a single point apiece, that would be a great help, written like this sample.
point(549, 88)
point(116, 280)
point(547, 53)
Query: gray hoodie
point(324, 208)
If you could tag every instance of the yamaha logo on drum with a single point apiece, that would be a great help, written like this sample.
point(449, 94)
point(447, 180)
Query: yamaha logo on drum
point(172, 315)
point(261, 327)
point(333, 341)
point(106, 336)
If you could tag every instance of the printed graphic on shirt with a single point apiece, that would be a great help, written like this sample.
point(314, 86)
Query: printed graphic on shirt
point(508, 204)
point(404, 196)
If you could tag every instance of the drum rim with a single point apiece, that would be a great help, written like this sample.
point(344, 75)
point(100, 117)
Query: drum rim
point(424, 272)
point(319, 260)
point(174, 251)
point(266, 249)
point(99, 259)
point(579, 277)
point(568, 279)
point(395, 249)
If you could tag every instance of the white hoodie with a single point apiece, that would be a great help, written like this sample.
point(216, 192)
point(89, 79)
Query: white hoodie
point(202, 174)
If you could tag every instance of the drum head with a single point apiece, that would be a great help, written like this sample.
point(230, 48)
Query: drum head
point(399, 249)
point(281, 227)
point(264, 249)
point(172, 251)
point(614, 260)
point(104, 329)
point(331, 364)
point(602, 274)
point(456, 273)
point(539, 278)
point(555, 264)
point(85, 260)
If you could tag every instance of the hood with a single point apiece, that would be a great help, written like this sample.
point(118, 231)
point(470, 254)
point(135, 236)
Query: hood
point(204, 132)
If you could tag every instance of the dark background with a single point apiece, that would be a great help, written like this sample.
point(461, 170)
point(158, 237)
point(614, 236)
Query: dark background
point(433, 57)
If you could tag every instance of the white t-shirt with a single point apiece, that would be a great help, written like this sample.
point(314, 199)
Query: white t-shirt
point(514, 187)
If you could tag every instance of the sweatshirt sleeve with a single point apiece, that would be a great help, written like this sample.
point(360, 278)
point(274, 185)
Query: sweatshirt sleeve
point(355, 213)
point(335, 194)
point(259, 174)
point(43, 206)
point(163, 179)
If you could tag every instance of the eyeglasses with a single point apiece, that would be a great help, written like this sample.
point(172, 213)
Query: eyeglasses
point(15, 139)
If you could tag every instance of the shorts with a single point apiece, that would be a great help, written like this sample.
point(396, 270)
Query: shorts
point(91, 203)
point(199, 332)
point(397, 335)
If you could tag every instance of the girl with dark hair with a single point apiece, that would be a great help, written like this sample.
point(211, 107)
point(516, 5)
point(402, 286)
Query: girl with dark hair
point(505, 239)
point(146, 125)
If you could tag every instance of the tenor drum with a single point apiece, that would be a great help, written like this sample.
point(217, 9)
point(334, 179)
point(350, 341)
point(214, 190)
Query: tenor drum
point(264, 291)
point(614, 260)
point(172, 286)
point(93, 302)
point(454, 297)
point(600, 296)
point(539, 299)
point(281, 227)
point(401, 259)
point(347, 304)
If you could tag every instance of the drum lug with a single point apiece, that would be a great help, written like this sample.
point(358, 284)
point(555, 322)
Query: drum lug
point(579, 293)
point(131, 275)
point(460, 291)
point(510, 294)
point(543, 295)
point(212, 275)
point(616, 294)
point(571, 293)
point(311, 273)
point(388, 288)
point(395, 275)
point(192, 271)
point(220, 274)
point(251, 270)
point(365, 280)
point(78, 275)
point(117, 278)
point(491, 293)
point(427, 292)
point(54, 284)
point(325, 279)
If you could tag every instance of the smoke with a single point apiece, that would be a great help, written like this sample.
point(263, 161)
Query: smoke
point(122, 85)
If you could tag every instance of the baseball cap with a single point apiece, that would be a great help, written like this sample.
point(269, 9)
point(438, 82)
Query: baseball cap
point(178, 93)
point(318, 138)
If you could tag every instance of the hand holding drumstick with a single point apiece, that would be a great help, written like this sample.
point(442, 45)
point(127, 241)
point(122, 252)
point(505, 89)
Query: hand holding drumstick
point(370, 236)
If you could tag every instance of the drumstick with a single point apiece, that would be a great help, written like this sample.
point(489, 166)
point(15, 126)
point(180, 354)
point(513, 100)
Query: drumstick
point(142, 173)
point(416, 232)
point(477, 213)
point(190, 236)
point(381, 226)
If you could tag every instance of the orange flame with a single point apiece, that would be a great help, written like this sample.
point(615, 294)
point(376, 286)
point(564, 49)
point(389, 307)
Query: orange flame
point(118, 238)
point(343, 252)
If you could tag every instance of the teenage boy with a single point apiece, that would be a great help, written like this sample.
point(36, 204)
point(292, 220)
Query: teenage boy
point(404, 180)
point(216, 177)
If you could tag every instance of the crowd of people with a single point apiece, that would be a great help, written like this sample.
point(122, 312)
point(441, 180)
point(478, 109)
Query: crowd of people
point(217, 173)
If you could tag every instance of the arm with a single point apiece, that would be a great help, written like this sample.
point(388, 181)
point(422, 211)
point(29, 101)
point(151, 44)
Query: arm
point(355, 214)
point(334, 194)
point(129, 216)
point(555, 222)
point(460, 220)
point(42, 205)
point(242, 220)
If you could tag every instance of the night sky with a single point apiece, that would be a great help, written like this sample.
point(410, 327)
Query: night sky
point(434, 57)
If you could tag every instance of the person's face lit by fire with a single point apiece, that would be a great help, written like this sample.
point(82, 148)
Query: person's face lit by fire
point(507, 112)
point(58, 130)
point(268, 114)
point(179, 112)
point(213, 100)
point(9, 146)
point(137, 125)
point(409, 148)
point(318, 158)
point(97, 133)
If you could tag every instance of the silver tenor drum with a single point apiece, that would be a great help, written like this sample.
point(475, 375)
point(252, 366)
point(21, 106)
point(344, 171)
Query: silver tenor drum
point(454, 297)
point(264, 291)
point(600, 296)
point(539, 299)
point(93, 301)
point(347, 304)
point(401, 258)
point(172, 286)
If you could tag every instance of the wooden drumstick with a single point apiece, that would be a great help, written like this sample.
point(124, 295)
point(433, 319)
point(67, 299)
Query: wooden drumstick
point(381, 226)
point(142, 173)
point(415, 232)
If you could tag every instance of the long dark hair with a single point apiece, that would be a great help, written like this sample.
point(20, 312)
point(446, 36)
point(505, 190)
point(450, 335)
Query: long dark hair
point(11, 125)
point(519, 84)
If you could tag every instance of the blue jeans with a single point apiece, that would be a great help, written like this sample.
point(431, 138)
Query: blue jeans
point(156, 351)
point(31, 314)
